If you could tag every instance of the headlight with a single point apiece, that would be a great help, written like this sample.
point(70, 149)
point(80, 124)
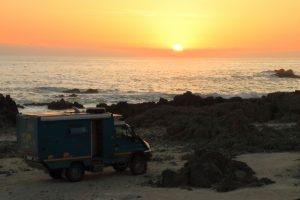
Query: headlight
point(147, 144)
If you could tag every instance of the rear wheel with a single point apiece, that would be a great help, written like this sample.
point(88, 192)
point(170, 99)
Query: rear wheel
point(138, 165)
point(75, 172)
point(56, 174)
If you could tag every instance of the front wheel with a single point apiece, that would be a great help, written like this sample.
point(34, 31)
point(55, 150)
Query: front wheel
point(75, 172)
point(138, 165)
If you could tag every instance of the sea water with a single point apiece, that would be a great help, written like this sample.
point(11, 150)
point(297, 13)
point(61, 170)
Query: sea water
point(44, 79)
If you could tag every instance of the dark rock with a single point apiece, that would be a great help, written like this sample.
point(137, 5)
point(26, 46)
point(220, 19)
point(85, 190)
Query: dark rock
point(75, 90)
point(8, 149)
point(281, 73)
point(227, 184)
point(62, 105)
point(101, 105)
point(8, 111)
point(20, 106)
point(204, 174)
point(162, 101)
point(90, 91)
point(266, 181)
point(73, 95)
point(36, 104)
point(187, 99)
point(78, 105)
point(212, 169)
point(171, 178)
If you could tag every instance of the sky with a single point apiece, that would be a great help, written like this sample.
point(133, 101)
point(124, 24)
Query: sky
point(150, 28)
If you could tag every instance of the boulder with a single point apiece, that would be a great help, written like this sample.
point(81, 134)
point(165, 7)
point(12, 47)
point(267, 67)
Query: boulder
point(207, 169)
point(162, 101)
point(73, 95)
point(8, 111)
point(62, 105)
point(282, 73)
point(75, 90)
point(77, 105)
point(90, 91)
point(171, 178)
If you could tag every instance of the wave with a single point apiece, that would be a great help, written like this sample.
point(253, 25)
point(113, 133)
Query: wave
point(49, 89)
point(244, 95)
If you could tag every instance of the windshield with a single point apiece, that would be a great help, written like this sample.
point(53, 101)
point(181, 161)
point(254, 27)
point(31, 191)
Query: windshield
point(125, 130)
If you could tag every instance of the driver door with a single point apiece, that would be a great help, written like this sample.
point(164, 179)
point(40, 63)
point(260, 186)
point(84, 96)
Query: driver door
point(123, 141)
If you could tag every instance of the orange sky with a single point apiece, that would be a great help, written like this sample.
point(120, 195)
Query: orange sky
point(143, 27)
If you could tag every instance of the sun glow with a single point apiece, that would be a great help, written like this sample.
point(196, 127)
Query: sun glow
point(177, 47)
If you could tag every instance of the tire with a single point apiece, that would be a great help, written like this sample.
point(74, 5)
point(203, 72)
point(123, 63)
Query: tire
point(138, 165)
point(119, 167)
point(75, 172)
point(56, 174)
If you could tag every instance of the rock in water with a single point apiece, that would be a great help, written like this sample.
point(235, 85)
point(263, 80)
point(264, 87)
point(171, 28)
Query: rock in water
point(281, 73)
point(62, 105)
point(77, 91)
point(91, 91)
point(8, 111)
point(73, 91)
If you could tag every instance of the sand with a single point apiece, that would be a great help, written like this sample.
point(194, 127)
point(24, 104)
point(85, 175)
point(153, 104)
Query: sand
point(27, 183)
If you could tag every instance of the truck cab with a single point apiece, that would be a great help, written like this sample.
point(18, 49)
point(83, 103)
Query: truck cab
point(68, 144)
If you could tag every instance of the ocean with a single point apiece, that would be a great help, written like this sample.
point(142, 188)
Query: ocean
point(44, 79)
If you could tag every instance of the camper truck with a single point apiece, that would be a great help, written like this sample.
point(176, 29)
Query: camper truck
point(66, 144)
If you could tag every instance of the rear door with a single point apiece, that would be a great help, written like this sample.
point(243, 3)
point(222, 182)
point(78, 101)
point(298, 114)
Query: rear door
point(27, 135)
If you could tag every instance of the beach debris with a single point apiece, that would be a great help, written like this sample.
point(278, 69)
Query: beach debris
point(209, 169)
point(282, 73)
point(62, 105)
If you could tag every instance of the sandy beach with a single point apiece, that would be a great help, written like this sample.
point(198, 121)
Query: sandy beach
point(18, 181)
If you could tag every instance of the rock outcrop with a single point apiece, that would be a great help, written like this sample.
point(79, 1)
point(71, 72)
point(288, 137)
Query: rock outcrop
point(62, 105)
point(221, 124)
point(282, 73)
point(212, 170)
point(8, 111)
point(78, 91)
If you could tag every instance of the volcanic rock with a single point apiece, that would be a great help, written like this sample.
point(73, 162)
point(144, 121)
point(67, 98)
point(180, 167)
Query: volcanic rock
point(281, 73)
point(8, 110)
point(212, 170)
point(75, 90)
point(90, 91)
point(62, 105)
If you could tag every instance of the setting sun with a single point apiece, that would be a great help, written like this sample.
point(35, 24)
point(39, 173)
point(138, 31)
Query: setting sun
point(177, 47)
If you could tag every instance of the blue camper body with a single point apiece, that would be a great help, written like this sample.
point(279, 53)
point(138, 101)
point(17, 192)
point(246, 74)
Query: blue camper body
point(67, 144)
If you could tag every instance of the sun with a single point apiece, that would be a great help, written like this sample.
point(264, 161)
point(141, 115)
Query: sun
point(177, 47)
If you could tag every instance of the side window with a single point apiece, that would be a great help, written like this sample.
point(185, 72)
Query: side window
point(80, 130)
point(120, 132)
